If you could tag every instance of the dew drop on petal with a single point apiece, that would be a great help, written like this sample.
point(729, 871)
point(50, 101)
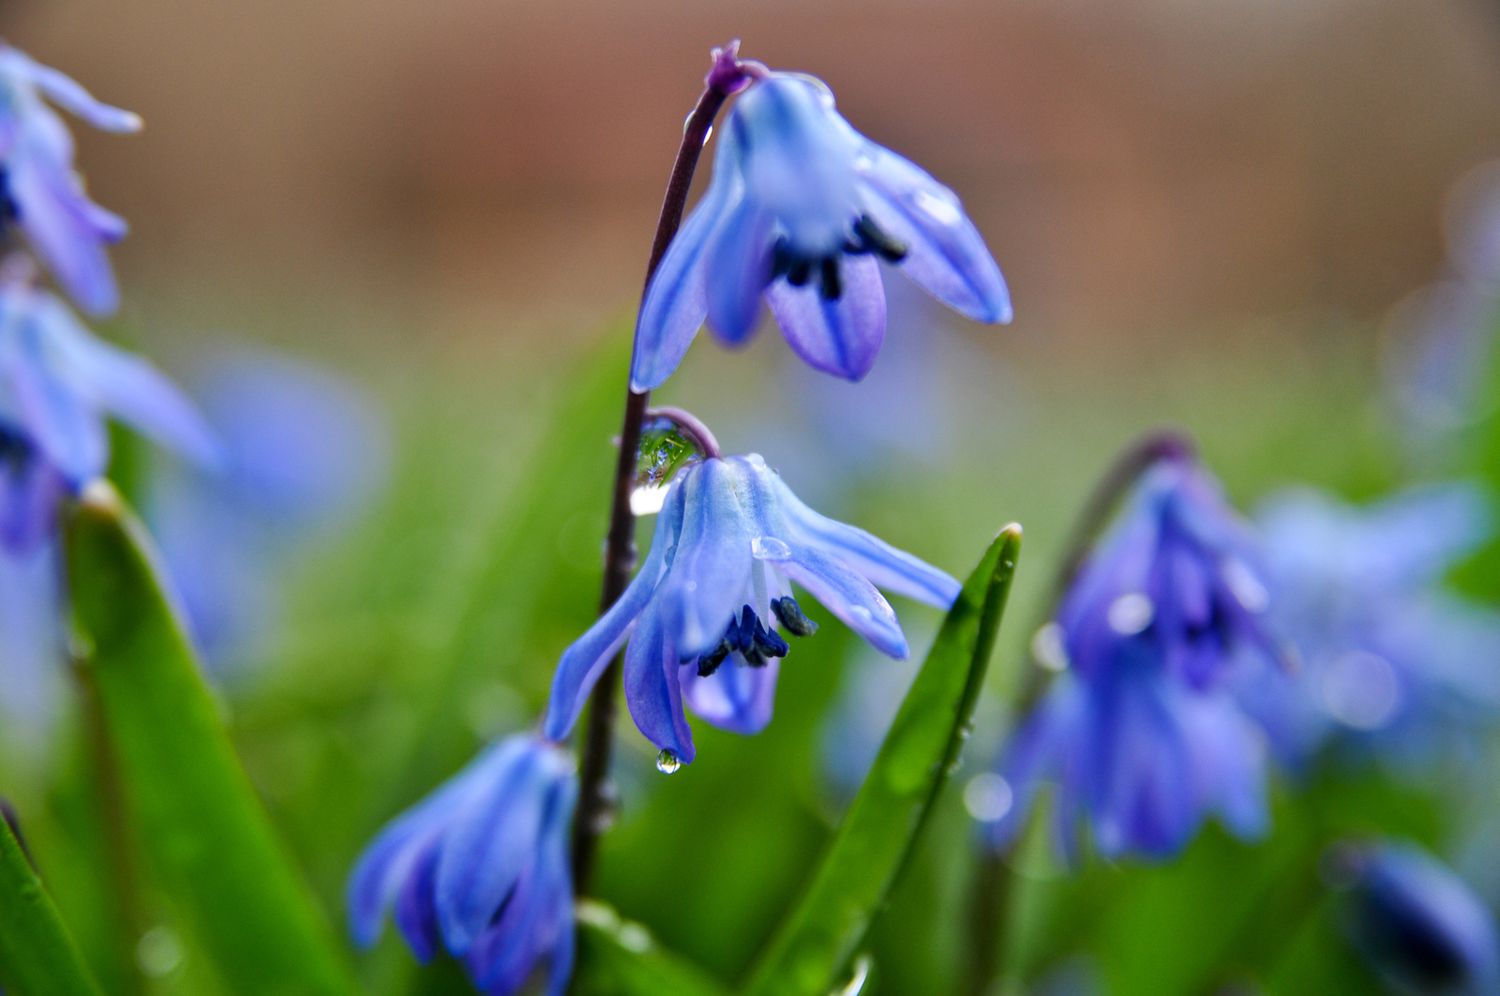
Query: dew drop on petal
point(1245, 586)
point(1131, 614)
point(944, 210)
point(988, 797)
point(860, 614)
point(667, 762)
point(770, 548)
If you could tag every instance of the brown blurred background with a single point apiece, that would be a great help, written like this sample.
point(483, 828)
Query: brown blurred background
point(460, 168)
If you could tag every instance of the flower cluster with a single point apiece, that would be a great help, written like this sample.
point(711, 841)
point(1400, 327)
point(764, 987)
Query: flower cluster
point(802, 210)
point(1141, 729)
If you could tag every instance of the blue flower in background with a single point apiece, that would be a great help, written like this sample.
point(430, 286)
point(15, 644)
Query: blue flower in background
point(1417, 923)
point(303, 450)
point(1140, 730)
point(703, 615)
point(480, 868)
point(802, 209)
point(1384, 649)
point(41, 192)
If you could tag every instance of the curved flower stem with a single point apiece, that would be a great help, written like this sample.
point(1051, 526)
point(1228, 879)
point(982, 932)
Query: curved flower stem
point(995, 894)
point(727, 76)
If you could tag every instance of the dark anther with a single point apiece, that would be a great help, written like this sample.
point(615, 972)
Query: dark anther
point(709, 663)
point(791, 617)
point(799, 273)
point(833, 284)
point(782, 258)
point(872, 238)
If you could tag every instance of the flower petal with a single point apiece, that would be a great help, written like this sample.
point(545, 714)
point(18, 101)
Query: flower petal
point(849, 596)
point(841, 337)
point(740, 260)
point(652, 688)
point(736, 697)
point(586, 659)
point(710, 576)
point(945, 254)
point(64, 91)
point(59, 420)
point(64, 226)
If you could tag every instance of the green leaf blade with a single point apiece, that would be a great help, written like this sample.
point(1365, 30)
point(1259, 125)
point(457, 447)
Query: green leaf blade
point(617, 958)
point(38, 956)
point(822, 935)
point(203, 828)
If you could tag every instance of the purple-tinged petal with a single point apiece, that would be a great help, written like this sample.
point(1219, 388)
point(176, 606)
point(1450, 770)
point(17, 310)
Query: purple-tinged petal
point(1033, 756)
point(30, 493)
point(61, 423)
point(851, 598)
point(710, 576)
point(584, 661)
point(653, 689)
point(841, 337)
point(945, 254)
point(415, 913)
point(68, 94)
point(63, 225)
point(739, 257)
point(1229, 759)
point(736, 697)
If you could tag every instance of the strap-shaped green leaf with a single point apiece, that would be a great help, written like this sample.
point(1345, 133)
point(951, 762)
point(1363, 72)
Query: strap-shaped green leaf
point(815, 947)
point(617, 958)
point(210, 842)
point(37, 954)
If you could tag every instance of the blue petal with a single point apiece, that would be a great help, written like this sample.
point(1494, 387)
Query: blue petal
point(885, 566)
point(652, 688)
point(945, 254)
point(129, 387)
point(489, 843)
point(840, 337)
point(30, 493)
point(1229, 755)
point(1033, 755)
point(65, 228)
point(61, 423)
point(740, 260)
point(676, 300)
point(586, 659)
point(849, 596)
point(64, 91)
point(736, 697)
point(710, 575)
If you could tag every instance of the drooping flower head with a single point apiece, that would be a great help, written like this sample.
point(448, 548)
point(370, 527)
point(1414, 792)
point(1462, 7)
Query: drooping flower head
point(1391, 661)
point(39, 188)
point(1140, 729)
point(480, 869)
point(802, 210)
point(704, 617)
point(1417, 923)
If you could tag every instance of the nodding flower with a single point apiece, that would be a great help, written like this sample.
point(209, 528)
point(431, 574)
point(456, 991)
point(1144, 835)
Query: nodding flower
point(802, 210)
point(39, 189)
point(705, 616)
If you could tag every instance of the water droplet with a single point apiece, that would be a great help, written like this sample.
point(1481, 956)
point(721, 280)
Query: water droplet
point(1130, 614)
point(770, 548)
point(860, 614)
point(1245, 586)
point(664, 451)
point(1361, 690)
point(648, 499)
point(667, 762)
point(159, 952)
point(943, 210)
point(988, 797)
point(1048, 649)
point(857, 979)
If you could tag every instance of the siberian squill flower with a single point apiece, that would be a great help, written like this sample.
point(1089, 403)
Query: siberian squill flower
point(1140, 729)
point(480, 869)
point(802, 209)
point(1416, 922)
point(1390, 659)
point(39, 189)
point(705, 614)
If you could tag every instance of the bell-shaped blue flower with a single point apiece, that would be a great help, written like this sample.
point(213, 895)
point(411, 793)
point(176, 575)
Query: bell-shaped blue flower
point(1140, 730)
point(39, 189)
point(1390, 660)
point(802, 209)
point(705, 616)
point(481, 869)
point(1417, 923)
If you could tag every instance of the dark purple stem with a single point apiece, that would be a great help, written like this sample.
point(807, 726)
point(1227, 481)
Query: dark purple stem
point(727, 76)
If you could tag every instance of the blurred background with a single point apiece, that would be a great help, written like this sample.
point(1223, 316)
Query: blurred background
point(1245, 218)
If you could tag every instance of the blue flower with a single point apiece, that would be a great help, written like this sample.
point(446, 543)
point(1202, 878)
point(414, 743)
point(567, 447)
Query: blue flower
point(1417, 923)
point(39, 189)
point(802, 209)
point(1141, 729)
point(1390, 660)
point(703, 617)
point(480, 868)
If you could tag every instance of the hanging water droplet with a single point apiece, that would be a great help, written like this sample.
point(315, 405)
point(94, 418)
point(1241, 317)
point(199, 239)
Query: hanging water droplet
point(770, 548)
point(667, 762)
point(1048, 649)
point(664, 451)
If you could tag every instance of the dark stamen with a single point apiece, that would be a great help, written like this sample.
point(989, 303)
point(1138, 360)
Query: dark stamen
point(799, 273)
point(833, 284)
point(782, 258)
point(791, 617)
point(875, 239)
point(709, 663)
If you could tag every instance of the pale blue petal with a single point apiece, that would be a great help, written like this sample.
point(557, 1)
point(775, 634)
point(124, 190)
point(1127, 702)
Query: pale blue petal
point(61, 423)
point(945, 254)
point(64, 226)
point(1033, 755)
point(849, 596)
point(66, 93)
point(736, 697)
point(710, 576)
point(739, 257)
point(653, 690)
point(840, 337)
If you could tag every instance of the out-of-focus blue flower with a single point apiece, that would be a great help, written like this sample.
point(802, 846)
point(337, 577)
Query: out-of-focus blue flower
point(702, 616)
point(1140, 731)
point(480, 868)
point(41, 192)
point(1384, 649)
point(1417, 923)
point(302, 449)
point(801, 209)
